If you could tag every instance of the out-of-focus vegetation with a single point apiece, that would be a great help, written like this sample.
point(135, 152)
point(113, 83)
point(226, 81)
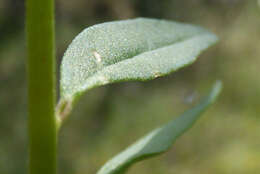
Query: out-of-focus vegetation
point(108, 119)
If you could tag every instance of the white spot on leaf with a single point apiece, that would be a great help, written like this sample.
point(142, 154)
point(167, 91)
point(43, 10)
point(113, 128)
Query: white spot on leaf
point(103, 79)
point(157, 74)
point(97, 56)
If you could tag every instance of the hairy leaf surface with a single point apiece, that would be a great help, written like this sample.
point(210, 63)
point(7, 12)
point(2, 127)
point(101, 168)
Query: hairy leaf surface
point(136, 49)
point(159, 140)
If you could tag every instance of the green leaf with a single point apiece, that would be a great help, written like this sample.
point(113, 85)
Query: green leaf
point(159, 140)
point(136, 49)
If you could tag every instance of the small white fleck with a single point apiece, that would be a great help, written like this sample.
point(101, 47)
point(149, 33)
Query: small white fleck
point(103, 79)
point(157, 74)
point(97, 56)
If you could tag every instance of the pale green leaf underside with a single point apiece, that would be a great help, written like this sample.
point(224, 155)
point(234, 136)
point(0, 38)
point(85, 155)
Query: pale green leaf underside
point(136, 49)
point(159, 140)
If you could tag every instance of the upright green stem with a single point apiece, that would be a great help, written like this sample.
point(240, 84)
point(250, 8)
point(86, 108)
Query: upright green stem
point(41, 84)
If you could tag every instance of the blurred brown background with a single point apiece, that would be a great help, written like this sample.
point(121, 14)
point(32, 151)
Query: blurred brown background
point(227, 138)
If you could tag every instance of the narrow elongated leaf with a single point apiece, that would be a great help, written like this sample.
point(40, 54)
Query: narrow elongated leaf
point(159, 140)
point(137, 49)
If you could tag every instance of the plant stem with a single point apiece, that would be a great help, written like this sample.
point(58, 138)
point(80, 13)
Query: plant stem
point(41, 86)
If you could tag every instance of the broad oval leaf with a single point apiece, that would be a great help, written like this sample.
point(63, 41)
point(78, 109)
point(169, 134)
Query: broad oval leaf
point(136, 49)
point(159, 140)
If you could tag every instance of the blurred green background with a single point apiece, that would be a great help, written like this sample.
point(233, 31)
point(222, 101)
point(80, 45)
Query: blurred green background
point(107, 119)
